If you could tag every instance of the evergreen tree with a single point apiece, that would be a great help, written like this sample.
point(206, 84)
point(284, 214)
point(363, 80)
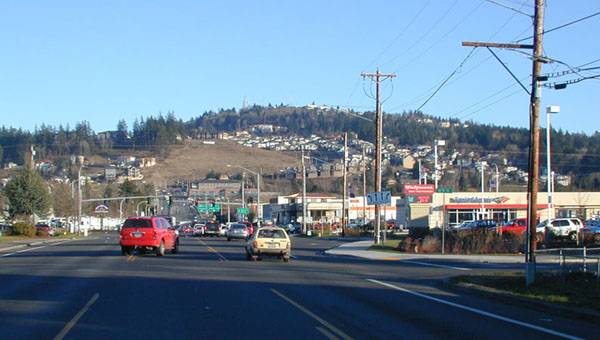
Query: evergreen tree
point(28, 194)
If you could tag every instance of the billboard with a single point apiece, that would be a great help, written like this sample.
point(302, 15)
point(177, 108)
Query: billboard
point(419, 189)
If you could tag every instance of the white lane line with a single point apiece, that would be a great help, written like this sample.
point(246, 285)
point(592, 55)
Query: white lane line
point(76, 318)
point(312, 315)
point(30, 249)
point(434, 265)
point(475, 310)
point(327, 334)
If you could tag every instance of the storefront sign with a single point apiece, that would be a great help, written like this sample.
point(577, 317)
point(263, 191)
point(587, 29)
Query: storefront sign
point(500, 199)
point(419, 199)
point(418, 189)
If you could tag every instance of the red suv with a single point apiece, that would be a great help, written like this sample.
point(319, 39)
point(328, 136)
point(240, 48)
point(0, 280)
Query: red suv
point(148, 233)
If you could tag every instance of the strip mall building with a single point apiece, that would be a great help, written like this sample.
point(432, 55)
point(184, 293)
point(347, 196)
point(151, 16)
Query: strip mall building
point(426, 208)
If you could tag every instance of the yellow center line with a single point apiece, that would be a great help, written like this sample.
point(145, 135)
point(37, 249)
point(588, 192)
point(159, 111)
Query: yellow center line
point(312, 315)
point(211, 249)
point(130, 258)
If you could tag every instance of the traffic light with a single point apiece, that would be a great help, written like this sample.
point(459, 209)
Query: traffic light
point(196, 203)
point(212, 203)
point(170, 201)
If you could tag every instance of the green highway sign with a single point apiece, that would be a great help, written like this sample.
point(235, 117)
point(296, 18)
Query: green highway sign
point(216, 208)
point(444, 190)
point(243, 211)
point(202, 208)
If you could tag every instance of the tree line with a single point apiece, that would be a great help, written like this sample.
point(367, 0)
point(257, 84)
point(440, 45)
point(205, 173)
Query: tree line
point(574, 154)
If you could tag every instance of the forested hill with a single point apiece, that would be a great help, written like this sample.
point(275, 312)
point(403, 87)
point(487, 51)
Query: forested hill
point(573, 153)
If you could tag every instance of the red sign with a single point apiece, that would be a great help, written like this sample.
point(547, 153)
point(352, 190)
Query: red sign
point(419, 189)
point(424, 199)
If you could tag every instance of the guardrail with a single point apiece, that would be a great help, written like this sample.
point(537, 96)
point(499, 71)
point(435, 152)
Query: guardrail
point(589, 257)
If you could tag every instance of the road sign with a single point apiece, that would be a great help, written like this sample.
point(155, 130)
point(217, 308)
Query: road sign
point(215, 208)
point(202, 208)
point(101, 208)
point(444, 190)
point(380, 197)
point(243, 211)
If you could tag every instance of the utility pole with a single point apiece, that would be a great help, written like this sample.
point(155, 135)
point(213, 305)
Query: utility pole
point(534, 128)
point(378, 78)
point(303, 195)
point(345, 193)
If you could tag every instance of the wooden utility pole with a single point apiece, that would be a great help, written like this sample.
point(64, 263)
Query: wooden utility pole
point(378, 78)
point(534, 128)
point(345, 193)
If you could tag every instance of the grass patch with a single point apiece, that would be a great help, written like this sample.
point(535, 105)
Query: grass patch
point(575, 289)
point(388, 245)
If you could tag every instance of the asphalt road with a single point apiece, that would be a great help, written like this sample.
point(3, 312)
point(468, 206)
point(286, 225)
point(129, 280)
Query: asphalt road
point(85, 289)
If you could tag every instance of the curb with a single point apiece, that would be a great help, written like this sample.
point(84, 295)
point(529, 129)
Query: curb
point(33, 244)
point(541, 306)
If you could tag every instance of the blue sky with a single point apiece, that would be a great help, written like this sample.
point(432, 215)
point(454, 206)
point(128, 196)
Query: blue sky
point(102, 61)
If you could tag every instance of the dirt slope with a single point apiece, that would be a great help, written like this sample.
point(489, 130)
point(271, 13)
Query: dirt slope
point(194, 160)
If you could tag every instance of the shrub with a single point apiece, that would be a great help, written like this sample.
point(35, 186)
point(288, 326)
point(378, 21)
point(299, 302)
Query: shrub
point(22, 228)
point(467, 242)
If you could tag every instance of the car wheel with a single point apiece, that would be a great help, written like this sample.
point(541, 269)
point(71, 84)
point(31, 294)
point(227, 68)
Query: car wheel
point(286, 258)
point(228, 239)
point(176, 248)
point(124, 250)
point(160, 250)
point(597, 238)
point(573, 236)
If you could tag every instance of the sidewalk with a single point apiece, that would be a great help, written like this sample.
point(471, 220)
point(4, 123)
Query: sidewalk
point(19, 244)
point(359, 249)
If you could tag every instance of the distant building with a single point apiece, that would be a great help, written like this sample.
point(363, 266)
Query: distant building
point(110, 174)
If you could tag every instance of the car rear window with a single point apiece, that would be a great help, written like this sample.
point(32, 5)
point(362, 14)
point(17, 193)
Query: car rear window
point(137, 223)
point(238, 226)
point(271, 233)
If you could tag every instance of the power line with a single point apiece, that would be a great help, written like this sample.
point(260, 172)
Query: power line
point(563, 26)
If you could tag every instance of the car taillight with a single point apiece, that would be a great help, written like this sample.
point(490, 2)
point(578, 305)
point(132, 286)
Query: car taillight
point(255, 244)
point(154, 234)
point(288, 246)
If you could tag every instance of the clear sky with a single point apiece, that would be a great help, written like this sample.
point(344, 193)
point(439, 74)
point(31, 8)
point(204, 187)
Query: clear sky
point(63, 62)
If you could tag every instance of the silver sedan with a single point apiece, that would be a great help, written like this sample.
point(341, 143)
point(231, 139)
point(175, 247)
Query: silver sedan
point(237, 230)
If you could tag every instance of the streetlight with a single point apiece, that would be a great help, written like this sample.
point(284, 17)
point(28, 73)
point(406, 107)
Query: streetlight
point(258, 209)
point(553, 109)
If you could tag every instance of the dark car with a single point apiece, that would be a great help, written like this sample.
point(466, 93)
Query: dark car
point(212, 228)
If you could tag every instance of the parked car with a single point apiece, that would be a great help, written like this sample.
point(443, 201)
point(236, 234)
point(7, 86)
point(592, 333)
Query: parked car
point(186, 228)
point(237, 230)
point(148, 233)
point(479, 224)
point(561, 228)
point(44, 229)
point(515, 226)
point(590, 234)
point(269, 241)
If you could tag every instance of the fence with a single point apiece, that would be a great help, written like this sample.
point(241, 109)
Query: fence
point(585, 259)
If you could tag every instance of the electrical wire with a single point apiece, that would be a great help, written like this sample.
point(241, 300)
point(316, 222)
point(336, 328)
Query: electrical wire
point(563, 26)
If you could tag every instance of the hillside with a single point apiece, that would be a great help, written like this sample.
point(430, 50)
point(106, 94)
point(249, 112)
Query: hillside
point(193, 160)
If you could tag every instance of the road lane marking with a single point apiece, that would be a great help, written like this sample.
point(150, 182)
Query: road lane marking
point(76, 318)
point(211, 249)
point(435, 265)
point(327, 334)
point(475, 310)
point(130, 258)
point(312, 315)
point(34, 248)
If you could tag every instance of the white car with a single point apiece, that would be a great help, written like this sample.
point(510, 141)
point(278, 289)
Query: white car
point(269, 241)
